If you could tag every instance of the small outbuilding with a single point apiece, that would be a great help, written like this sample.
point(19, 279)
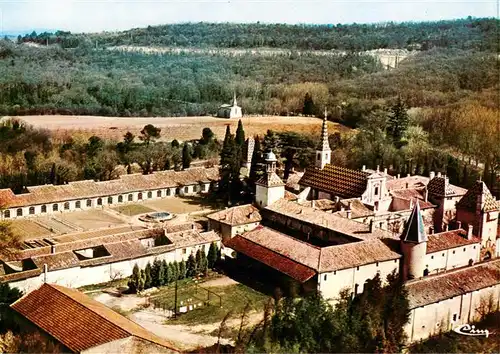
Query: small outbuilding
point(230, 111)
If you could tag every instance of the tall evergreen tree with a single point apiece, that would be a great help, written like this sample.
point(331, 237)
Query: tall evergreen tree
point(167, 275)
point(398, 122)
point(240, 135)
point(155, 273)
point(161, 274)
point(182, 269)
point(148, 280)
point(212, 255)
point(173, 272)
point(229, 167)
point(134, 282)
point(186, 156)
point(308, 108)
point(191, 266)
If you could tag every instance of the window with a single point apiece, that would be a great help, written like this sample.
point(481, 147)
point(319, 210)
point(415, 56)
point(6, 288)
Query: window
point(130, 197)
point(464, 249)
point(443, 254)
point(139, 196)
point(6, 214)
point(376, 264)
point(454, 317)
point(66, 206)
point(453, 251)
point(334, 272)
point(357, 268)
point(31, 210)
point(55, 207)
point(426, 272)
point(432, 257)
point(89, 202)
point(324, 278)
point(99, 201)
point(150, 195)
point(319, 156)
point(168, 192)
point(19, 212)
point(395, 261)
point(183, 251)
point(158, 194)
point(120, 199)
point(44, 208)
point(376, 190)
point(186, 189)
point(380, 225)
point(110, 200)
point(78, 204)
point(474, 247)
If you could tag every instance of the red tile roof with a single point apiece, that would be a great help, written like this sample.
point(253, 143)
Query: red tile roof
point(470, 199)
point(449, 239)
point(441, 187)
point(238, 215)
point(339, 181)
point(77, 321)
point(434, 288)
point(272, 259)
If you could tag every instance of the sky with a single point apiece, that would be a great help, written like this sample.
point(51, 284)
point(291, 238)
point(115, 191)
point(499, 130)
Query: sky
point(112, 15)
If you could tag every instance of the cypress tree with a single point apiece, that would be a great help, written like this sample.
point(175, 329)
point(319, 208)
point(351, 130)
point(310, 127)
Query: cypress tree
point(257, 166)
point(203, 267)
point(167, 276)
point(191, 266)
point(308, 108)
point(161, 274)
point(134, 280)
point(173, 272)
point(212, 255)
point(148, 281)
point(186, 156)
point(228, 162)
point(155, 269)
point(182, 269)
point(240, 135)
point(199, 261)
point(140, 284)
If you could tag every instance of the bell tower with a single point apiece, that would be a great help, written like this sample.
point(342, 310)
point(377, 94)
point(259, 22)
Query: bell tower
point(323, 153)
point(269, 188)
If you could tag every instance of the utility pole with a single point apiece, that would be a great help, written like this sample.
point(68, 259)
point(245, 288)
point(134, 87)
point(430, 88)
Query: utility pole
point(175, 301)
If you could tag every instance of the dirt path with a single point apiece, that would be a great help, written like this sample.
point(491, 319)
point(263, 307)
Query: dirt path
point(223, 281)
point(181, 128)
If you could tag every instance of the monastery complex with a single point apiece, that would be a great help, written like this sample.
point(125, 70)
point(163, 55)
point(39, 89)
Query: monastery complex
point(328, 229)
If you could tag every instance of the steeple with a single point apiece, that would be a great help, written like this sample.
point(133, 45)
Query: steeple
point(269, 188)
point(323, 152)
point(414, 231)
point(235, 103)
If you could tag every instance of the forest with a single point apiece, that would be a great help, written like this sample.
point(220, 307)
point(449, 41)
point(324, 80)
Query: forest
point(448, 87)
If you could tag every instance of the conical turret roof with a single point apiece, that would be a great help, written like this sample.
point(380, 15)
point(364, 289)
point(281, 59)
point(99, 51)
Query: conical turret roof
point(414, 229)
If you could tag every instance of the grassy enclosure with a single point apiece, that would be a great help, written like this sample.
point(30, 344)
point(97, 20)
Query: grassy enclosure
point(217, 301)
point(133, 209)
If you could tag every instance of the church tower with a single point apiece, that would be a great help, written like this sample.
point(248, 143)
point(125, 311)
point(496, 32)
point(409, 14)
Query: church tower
point(269, 188)
point(323, 153)
point(414, 245)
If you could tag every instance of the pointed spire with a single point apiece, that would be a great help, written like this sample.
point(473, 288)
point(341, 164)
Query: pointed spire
point(414, 229)
point(235, 103)
point(324, 145)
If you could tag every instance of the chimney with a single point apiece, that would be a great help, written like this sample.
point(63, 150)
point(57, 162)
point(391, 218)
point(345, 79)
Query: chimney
point(45, 270)
point(371, 226)
point(385, 171)
point(432, 174)
point(399, 176)
point(469, 232)
point(378, 168)
point(426, 194)
point(53, 249)
point(363, 168)
point(349, 212)
point(439, 174)
point(459, 224)
point(431, 230)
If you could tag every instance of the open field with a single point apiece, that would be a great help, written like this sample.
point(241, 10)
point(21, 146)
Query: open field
point(90, 219)
point(133, 209)
point(181, 128)
point(179, 205)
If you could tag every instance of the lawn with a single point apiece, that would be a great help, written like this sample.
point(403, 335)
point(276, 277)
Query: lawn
point(118, 283)
point(133, 209)
point(91, 219)
point(233, 298)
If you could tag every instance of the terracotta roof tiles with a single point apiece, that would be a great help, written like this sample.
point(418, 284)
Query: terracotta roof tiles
point(77, 321)
point(339, 181)
point(479, 190)
point(441, 187)
point(434, 288)
point(449, 239)
point(238, 215)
